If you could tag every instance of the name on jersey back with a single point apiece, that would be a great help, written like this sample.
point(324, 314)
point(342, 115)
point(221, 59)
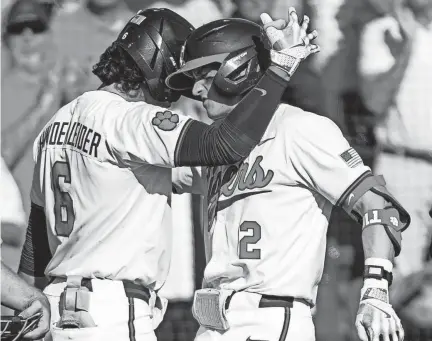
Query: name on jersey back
point(76, 135)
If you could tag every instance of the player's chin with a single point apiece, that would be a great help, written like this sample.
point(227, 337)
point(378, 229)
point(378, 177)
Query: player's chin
point(215, 111)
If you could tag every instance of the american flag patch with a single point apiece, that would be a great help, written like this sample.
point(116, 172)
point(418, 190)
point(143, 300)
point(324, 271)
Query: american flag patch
point(351, 158)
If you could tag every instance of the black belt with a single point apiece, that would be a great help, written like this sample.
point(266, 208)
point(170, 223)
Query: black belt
point(132, 290)
point(269, 301)
point(411, 153)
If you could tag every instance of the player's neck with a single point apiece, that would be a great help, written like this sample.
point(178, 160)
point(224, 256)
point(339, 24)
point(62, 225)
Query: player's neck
point(131, 96)
point(140, 95)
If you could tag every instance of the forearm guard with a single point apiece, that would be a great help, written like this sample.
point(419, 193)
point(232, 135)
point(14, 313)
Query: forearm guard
point(394, 218)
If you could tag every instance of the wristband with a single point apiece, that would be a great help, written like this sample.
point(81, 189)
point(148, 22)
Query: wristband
point(377, 272)
point(379, 269)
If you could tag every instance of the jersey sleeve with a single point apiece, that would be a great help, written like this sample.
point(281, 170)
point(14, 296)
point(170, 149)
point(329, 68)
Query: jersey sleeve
point(323, 158)
point(146, 134)
point(188, 180)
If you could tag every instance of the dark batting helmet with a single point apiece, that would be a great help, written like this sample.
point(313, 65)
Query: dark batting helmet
point(154, 38)
point(238, 47)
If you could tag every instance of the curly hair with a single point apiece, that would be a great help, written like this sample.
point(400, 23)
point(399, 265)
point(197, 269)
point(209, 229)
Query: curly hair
point(117, 66)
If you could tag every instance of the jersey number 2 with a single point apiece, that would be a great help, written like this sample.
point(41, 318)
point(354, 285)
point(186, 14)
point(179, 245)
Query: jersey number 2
point(63, 203)
point(244, 253)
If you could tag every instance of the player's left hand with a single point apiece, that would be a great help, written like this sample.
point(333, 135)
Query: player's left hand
point(377, 320)
point(284, 35)
point(40, 305)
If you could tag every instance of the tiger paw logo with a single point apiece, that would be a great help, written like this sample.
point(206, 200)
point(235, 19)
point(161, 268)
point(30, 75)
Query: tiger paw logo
point(165, 120)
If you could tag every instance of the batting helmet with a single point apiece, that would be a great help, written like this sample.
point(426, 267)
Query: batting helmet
point(154, 38)
point(237, 45)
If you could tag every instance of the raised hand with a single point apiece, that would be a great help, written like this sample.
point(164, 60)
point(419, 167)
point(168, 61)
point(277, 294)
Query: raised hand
point(283, 35)
point(290, 41)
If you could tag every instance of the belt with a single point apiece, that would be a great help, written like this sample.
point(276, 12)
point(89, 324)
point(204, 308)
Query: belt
point(411, 153)
point(269, 301)
point(131, 289)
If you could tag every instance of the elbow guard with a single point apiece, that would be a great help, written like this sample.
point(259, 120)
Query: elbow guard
point(395, 218)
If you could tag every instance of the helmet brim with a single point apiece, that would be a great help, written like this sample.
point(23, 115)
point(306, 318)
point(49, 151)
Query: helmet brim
point(180, 81)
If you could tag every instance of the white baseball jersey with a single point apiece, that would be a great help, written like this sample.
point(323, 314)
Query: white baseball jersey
point(269, 216)
point(102, 175)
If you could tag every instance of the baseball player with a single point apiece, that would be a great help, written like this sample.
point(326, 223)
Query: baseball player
point(100, 222)
point(268, 215)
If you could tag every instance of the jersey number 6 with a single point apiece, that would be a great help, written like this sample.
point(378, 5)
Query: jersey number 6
point(244, 253)
point(63, 203)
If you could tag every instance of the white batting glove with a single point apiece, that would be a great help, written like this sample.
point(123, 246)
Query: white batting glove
point(290, 41)
point(376, 318)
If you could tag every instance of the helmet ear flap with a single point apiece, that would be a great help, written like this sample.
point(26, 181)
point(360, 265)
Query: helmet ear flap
point(238, 73)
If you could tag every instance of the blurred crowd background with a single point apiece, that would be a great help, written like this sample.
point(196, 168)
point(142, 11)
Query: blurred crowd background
point(373, 78)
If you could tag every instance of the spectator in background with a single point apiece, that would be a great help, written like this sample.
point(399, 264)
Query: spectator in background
point(197, 12)
point(13, 221)
point(81, 35)
point(252, 9)
point(5, 9)
point(20, 135)
point(17, 142)
point(341, 22)
point(335, 79)
point(28, 38)
point(396, 71)
point(226, 7)
point(31, 93)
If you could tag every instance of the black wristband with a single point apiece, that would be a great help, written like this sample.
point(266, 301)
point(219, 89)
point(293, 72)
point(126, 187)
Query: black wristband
point(377, 272)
